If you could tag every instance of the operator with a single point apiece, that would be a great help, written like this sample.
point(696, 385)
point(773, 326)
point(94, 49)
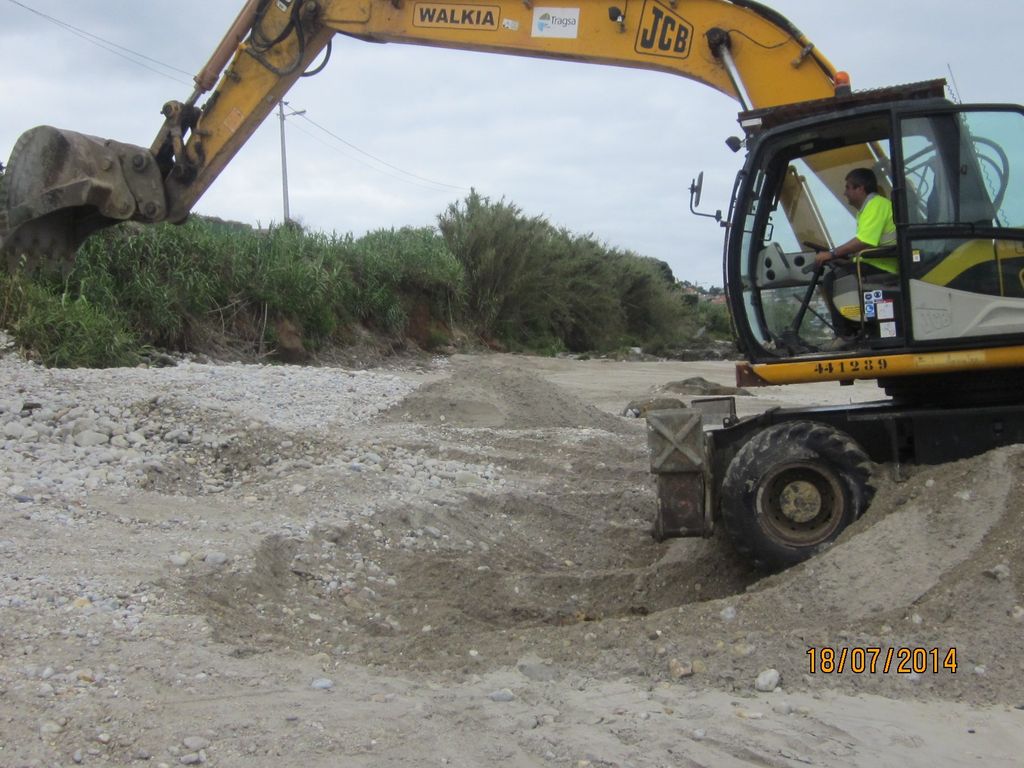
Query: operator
point(875, 225)
point(875, 228)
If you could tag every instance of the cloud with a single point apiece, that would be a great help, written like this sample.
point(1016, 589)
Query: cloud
point(592, 148)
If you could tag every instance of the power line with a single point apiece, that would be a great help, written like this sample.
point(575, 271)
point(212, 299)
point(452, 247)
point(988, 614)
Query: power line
point(109, 46)
point(128, 53)
point(377, 159)
point(407, 177)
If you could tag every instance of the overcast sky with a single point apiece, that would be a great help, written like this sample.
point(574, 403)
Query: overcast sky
point(594, 149)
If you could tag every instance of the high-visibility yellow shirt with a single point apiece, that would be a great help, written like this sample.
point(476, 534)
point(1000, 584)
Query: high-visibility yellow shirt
point(875, 225)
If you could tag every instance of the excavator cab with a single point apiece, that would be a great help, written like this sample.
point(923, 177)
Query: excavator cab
point(936, 319)
point(955, 176)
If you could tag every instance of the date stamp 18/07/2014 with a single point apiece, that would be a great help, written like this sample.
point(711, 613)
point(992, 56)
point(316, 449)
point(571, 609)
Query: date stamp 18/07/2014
point(871, 660)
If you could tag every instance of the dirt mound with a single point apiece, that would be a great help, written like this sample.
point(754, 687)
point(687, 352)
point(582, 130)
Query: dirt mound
point(698, 385)
point(933, 564)
point(481, 392)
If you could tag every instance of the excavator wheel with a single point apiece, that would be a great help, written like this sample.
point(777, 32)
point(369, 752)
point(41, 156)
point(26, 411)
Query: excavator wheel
point(791, 490)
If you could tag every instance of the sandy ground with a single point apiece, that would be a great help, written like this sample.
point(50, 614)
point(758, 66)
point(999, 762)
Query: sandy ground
point(516, 615)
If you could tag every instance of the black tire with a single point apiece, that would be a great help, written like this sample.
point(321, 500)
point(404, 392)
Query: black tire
point(791, 490)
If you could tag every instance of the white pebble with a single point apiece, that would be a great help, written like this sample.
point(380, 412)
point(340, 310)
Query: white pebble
point(768, 680)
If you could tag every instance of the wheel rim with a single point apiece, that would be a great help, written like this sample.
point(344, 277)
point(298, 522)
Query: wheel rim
point(801, 504)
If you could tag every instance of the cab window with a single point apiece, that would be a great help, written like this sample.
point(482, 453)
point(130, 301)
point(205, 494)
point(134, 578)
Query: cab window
point(964, 192)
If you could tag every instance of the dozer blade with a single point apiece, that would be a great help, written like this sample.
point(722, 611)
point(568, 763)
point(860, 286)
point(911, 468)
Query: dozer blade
point(61, 186)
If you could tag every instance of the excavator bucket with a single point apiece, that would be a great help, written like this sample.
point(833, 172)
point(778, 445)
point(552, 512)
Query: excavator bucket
point(60, 186)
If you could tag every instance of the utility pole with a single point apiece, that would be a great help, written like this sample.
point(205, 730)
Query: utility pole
point(284, 158)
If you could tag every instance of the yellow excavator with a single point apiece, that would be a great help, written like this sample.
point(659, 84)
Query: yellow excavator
point(941, 328)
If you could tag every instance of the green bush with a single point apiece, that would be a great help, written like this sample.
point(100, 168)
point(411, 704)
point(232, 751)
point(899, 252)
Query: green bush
point(504, 260)
point(488, 268)
point(393, 269)
point(66, 332)
point(716, 319)
point(531, 286)
point(170, 281)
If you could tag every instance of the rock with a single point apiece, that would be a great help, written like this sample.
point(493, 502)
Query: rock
point(180, 559)
point(679, 669)
point(215, 559)
point(999, 572)
point(195, 743)
point(537, 671)
point(177, 436)
point(322, 684)
point(89, 439)
point(728, 613)
point(640, 408)
point(464, 477)
point(768, 680)
point(698, 385)
point(502, 695)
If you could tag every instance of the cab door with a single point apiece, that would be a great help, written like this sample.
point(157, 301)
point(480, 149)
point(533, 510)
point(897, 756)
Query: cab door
point(963, 192)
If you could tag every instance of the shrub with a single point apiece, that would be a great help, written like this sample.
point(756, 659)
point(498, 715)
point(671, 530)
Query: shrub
point(510, 278)
point(394, 269)
point(504, 261)
point(66, 332)
point(532, 286)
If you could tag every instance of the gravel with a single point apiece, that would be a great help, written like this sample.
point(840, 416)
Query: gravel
point(68, 432)
point(239, 565)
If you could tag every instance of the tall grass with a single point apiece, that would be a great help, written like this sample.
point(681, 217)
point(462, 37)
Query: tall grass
point(65, 332)
point(488, 268)
point(173, 281)
point(398, 269)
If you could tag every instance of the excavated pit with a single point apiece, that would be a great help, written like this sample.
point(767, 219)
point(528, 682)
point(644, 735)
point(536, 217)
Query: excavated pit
point(551, 558)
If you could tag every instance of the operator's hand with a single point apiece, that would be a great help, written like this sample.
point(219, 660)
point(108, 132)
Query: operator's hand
point(821, 257)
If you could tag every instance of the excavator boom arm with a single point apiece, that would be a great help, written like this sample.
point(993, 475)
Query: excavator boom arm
point(61, 186)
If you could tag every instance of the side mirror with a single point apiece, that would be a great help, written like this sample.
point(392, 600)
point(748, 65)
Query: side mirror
point(696, 187)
